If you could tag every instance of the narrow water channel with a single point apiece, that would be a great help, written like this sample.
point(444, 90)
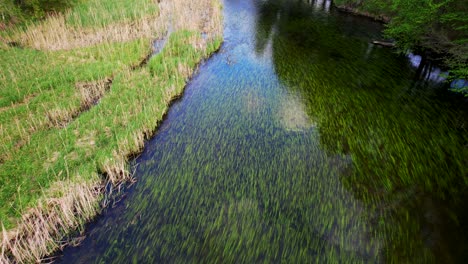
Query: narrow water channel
point(299, 142)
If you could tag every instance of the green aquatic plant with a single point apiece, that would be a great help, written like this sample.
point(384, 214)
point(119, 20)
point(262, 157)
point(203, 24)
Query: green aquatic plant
point(299, 142)
point(71, 115)
point(400, 143)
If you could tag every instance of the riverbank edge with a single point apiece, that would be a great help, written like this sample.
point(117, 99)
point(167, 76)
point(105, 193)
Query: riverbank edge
point(355, 11)
point(50, 226)
point(440, 58)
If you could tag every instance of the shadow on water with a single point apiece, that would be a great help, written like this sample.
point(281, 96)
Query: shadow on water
point(408, 148)
point(298, 142)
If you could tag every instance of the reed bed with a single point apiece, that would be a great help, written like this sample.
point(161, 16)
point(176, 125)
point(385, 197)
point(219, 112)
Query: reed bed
point(75, 106)
point(94, 22)
point(296, 151)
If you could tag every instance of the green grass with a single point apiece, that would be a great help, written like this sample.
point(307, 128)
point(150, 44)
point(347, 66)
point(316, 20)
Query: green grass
point(131, 109)
point(226, 180)
point(100, 13)
point(47, 81)
point(70, 116)
point(37, 87)
point(84, 13)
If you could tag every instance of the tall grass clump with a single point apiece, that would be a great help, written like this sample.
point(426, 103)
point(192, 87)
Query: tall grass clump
point(91, 23)
point(102, 13)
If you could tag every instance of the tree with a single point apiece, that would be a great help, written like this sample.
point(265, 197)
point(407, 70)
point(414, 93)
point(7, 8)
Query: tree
point(430, 26)
point(14, 11)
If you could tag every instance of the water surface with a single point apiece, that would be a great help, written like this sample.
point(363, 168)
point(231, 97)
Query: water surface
point(299, 142)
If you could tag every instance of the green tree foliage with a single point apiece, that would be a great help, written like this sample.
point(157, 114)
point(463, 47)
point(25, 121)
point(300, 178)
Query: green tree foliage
point(9, 12)
point(439, 26)
point(413, 21)
point(14, 11)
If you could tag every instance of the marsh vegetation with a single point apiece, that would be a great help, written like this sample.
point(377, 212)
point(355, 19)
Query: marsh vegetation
point(76, 101)
point(299, 142)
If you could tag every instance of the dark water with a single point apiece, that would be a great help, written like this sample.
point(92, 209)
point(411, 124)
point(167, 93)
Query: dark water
point(299, 142)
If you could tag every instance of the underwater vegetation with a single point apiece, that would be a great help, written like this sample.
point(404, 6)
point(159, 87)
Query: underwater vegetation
point(80, 91)
point(299, 142)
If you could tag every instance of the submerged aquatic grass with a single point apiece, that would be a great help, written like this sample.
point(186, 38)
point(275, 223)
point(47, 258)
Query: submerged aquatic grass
point(72, 113)
point(366, 168)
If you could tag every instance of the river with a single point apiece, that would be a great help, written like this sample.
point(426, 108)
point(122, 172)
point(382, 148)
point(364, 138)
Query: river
point(298, 142)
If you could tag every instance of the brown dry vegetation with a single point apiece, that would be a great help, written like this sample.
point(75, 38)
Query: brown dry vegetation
point(89, 92)
point(67, 204)
point(43, 225)
point(55, 34)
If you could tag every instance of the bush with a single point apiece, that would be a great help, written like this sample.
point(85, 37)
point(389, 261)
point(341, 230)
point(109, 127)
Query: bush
point(9, 12)
point(15, 11)
point(439, 26)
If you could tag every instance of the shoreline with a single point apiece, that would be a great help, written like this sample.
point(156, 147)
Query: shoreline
point(67, 205)
point(442, 45)
point(352, 10)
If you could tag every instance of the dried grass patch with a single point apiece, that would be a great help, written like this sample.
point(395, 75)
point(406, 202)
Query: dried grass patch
point(41, 229)
point(91, 92)
point(54, 34)
point(66, 205)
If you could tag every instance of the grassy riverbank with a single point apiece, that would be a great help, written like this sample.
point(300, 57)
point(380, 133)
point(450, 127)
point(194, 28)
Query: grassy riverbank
point(76, 101)
point(436, 30)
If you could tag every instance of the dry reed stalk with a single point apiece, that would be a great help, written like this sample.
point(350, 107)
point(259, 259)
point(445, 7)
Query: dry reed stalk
point(55, 34)
point(203, 16)
point(91, 92)
point(59, 117)
point(169, 94)
point(41, 228)
point(116, 170)
point(67, 205)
